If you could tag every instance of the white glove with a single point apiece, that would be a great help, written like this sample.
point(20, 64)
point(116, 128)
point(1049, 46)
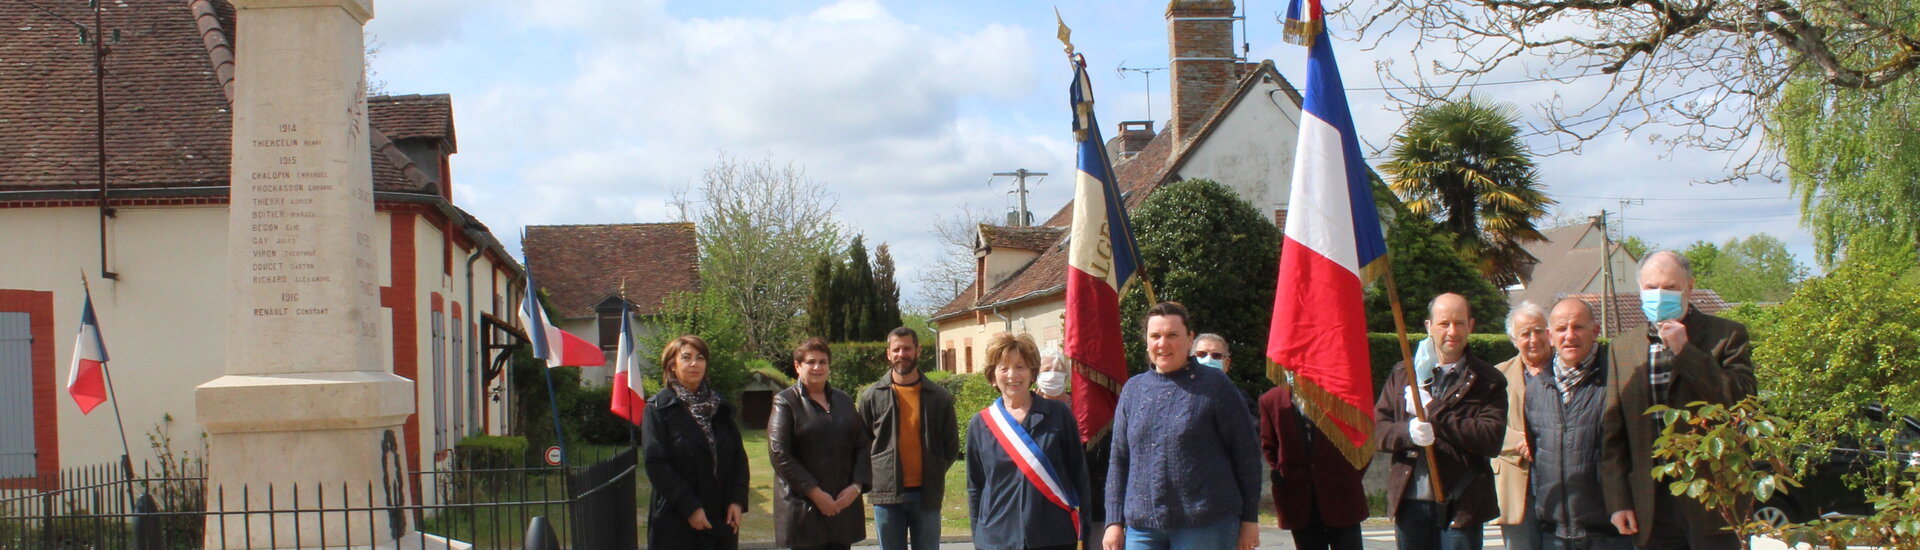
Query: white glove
point(1426, 400)
point(1421, 432)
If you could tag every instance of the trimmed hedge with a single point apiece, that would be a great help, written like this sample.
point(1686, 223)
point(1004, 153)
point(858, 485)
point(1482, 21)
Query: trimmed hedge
point(1384, 349)
point(857, 365)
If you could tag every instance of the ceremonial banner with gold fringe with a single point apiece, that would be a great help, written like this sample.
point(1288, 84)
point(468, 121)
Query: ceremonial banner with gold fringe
point(1332, 249)
point(1102, 260)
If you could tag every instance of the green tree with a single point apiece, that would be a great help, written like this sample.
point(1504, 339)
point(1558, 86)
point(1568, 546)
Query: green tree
point(760, 226)
point(1425, 264)
point(1205, 247)
point(855, 299)
point(1757, 268)
point(1855, 164)
point(1464, 164)
point(1843, 341)
point(709, 315)
point(1636, 246)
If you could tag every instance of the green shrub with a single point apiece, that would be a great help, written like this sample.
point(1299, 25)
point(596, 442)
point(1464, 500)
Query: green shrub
point(490, 452)
point(971, 394)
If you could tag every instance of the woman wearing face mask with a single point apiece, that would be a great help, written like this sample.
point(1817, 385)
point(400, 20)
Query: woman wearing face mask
point(1054, 375)
point(818, 445)
point(694, 457)
point(1026, 470)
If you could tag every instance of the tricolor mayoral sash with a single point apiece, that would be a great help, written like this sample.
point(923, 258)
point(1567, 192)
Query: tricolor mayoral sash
point(1031, 460)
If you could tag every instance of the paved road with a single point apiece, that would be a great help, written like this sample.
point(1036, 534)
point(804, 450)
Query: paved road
point(1272, 538)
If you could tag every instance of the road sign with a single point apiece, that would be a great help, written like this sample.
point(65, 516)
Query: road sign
point(553, 455)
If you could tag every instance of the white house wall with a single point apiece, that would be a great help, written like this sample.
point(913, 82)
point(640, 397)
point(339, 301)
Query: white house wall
point(1251, 149)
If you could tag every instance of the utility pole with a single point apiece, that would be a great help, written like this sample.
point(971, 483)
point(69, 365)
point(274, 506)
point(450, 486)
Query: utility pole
point(1624, 203)
point(96, 37)
point(1021, 218)
point(1606, 270)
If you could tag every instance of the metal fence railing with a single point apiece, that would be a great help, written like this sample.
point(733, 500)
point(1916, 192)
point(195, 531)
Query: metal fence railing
point(109, 507)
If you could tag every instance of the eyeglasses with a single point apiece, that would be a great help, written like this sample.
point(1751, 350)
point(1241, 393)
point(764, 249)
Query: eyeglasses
point(1214, 355)
point(814, 362)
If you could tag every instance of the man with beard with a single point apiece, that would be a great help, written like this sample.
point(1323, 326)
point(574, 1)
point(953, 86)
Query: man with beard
point(915, 440)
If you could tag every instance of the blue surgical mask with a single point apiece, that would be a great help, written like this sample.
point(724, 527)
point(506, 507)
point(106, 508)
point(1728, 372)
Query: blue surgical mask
point(1211, 362)
point(1661, 304)
point(1424, 360)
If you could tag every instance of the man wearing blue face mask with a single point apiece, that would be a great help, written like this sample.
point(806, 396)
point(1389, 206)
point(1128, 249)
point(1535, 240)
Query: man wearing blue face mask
point(1682, 355)
point(1211, 350)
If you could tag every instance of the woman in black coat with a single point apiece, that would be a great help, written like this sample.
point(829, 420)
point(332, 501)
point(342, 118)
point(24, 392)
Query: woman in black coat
point(819, 446)
point(695, 461)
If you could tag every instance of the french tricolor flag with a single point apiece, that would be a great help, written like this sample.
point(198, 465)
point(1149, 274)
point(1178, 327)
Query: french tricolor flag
point(558, 347)
point(87, 378)
point(1101, 260)
point(629, 394)
point(1333, 248)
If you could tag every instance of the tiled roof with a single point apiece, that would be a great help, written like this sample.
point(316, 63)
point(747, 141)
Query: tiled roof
point(169, 122)
point(1563, 264)
point(580, 266)
point(1626, 306)
point(405, 117)
point(1036, 238)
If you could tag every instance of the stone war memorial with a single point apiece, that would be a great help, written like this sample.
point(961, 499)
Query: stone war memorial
point(305, 400)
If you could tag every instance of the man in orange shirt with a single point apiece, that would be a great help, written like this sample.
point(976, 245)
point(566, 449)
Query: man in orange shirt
point(915, 440)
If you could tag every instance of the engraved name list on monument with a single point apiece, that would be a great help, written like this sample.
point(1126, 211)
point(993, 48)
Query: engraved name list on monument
point(297, 207)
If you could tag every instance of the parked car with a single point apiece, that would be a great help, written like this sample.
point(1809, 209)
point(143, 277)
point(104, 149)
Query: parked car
point(1825, 491)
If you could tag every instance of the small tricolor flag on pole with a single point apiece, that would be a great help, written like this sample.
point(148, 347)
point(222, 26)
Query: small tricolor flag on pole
point(87, 378)
point(1332, 249)
point(629, 392)
point(558, 347)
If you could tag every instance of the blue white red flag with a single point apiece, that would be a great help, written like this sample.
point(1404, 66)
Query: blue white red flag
point(87, 377)
point(1333, 247)
point(629, 393)
point(1101, 260)
point(1031, 459)
point(558, 347)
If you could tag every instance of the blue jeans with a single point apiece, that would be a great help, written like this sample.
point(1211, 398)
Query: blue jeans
point(1418, 526)
point(1222, 535)
point(896, 521)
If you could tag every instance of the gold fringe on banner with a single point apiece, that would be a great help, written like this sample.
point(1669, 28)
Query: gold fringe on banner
point(1301, 32)
point(1326, 408)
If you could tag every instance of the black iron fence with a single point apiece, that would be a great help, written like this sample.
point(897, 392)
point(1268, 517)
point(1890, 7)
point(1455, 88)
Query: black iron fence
point(121, 507)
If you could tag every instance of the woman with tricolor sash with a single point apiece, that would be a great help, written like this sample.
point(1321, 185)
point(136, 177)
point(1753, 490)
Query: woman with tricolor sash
point(1026, 470)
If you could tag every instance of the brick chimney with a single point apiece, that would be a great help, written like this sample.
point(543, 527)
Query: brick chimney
point(1200, 42)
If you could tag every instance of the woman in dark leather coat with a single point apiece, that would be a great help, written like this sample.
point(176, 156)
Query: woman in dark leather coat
point(694, 458)
point(818, 444)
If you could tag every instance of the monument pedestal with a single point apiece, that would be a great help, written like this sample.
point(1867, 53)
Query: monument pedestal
point(305, 446)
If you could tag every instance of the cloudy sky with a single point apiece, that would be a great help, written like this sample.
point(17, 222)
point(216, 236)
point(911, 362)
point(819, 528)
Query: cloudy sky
point(594, 111)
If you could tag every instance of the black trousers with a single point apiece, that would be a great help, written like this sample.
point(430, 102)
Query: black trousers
point(1316, 535)
point(1671, 531)
point(827, 546)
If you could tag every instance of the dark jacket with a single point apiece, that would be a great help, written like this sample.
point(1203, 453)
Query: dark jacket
point(1469, 423)
point(814, 447)
point(1008, 512)
point(1565, 438)
point(686, 476)
point(939, 441)
point(1309, 471)
point(1716, 366)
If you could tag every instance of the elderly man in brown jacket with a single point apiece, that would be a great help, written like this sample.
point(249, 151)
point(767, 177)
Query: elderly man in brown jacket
point(1680, 357)
point(1466, 421)
point(1527, 327)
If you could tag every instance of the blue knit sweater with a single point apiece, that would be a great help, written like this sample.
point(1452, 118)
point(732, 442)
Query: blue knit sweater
point(1185, 452)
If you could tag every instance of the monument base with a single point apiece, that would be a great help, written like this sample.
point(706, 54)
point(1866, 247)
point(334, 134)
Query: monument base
point(283, 447)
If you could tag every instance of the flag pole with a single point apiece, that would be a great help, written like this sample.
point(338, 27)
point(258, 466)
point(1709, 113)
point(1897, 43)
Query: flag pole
point(106, 373)
point(1076, 62)
point(1406, 353)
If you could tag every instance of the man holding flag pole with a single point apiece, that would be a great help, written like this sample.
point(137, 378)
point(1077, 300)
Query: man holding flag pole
point(1333, 248)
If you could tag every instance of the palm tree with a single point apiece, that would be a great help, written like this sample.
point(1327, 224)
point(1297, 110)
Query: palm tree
point(1463, 164)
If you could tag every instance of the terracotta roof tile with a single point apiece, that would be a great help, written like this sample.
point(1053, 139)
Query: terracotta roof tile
point(407, 117)
point(582, 265)
point(1037, 238)
point(169, 123)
